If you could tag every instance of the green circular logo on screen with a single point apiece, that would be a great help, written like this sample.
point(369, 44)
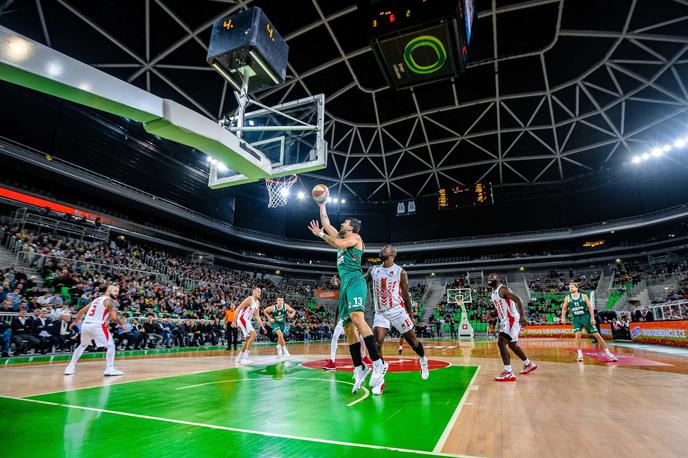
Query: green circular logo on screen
point(422, 42)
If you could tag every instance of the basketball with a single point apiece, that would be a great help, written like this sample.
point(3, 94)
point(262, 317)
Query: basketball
point(320, 192)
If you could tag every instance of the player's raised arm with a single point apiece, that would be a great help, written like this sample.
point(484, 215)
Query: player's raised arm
point(405, 295)
point(351, 240)
point(564, 308)
point(327, 227)
point(268, 313)
point(506, 292)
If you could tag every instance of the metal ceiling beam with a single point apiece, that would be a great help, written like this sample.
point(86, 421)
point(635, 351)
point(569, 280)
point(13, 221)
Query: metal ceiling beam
point(44, 25)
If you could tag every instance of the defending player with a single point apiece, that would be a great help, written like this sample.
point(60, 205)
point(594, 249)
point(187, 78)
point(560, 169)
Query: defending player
point(582, 316)
point(94, 327)
point(393, 306)
point(510, 320)
point(352, 294)
point(277, 315)
point(244, 315)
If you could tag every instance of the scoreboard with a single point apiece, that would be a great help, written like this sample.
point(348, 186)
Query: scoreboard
point(462, 196)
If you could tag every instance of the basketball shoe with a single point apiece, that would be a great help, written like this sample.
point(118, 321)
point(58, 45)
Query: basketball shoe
point(379, 371)
point(424, 371)
point(330, 366)
point(360, 374)
point(506, 377)
point(528, 368)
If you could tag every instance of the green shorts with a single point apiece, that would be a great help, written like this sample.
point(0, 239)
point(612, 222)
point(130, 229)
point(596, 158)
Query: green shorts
point(279, 326)
point(583, 321)
point(352, 296)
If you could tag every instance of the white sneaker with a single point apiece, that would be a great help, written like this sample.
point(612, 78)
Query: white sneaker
point(379, 371)
point(279, 352)
point(611, 356)
point(70, 371)
point(360, 374)
point(285, 352)
point(112, 372)
point(424, 371)
point(580, 356)
point(246, 362)
point(239, 357)
point(378, 389)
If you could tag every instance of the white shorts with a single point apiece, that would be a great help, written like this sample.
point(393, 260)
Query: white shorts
point(97, 332)
point(246, 327)
point(397, 317)
point(512, 331)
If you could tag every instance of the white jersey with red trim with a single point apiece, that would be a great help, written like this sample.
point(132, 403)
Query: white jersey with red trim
point(97, 312)
point(506, 308)
point(387, 287)
point(250, 310)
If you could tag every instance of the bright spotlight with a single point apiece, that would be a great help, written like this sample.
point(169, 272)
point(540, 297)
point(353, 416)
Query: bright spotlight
point(210, 160)
point(221, 167)
point(680, 143)
point(343, 201)
point(645, 156)
point(54, 69)
point(636, 160)
point(335, 201)
point(656, 151)
point(301, 195)
point(17, 49)
point(666, 148)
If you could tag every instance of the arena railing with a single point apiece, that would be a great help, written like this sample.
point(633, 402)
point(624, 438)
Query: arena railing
point(23, 218)
point(672, 310)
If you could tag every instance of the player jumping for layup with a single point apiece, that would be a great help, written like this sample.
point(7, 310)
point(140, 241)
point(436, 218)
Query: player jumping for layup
point(244, 314)
point(393, 306)
point(277, 314)
point(94, 327)
point(582, 316)
point(510, 318)
point(352, 293)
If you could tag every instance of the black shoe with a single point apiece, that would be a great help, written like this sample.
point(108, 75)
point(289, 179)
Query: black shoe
point(5, 354)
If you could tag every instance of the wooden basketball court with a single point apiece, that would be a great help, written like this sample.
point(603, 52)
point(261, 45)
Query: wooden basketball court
point(199, 402)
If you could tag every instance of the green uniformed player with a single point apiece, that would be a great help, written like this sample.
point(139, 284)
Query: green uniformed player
point(582, 316)
point(352, 293)
point(277, 314)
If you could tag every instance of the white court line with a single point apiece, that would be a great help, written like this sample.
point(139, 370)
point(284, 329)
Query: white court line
point(455, 417)
point(365, 390)
point(239, 430)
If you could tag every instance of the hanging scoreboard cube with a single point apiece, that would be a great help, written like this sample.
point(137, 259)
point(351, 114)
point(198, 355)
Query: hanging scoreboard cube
point(248, 45)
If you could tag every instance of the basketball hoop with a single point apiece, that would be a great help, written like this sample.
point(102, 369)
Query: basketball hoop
point(278, 190)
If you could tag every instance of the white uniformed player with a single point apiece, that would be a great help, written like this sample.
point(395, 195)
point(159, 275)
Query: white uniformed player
point(94, 327)
point(511, 316)
point(249, 308)
point(393, 306)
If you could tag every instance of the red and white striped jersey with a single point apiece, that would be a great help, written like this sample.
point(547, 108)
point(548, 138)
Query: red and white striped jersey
point(387, 287)
point(97, 312)
point(506, 308)
point(248, 312)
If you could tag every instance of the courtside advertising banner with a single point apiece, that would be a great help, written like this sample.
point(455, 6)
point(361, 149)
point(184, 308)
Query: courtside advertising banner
point(606, 331)
point(661, 332)
point(327, 294)
point(551, 330)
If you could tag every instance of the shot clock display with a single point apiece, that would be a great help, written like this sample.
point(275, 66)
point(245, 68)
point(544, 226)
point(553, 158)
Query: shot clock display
point(459, 196)
point(248, 40)
point(419, 41)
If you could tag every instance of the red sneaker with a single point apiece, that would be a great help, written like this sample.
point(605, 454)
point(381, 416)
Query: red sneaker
point(367, 361)
point(506, 377)
point(529, 368)
point(330, 366)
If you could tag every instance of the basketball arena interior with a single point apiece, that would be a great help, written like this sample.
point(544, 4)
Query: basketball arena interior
point(343, 228)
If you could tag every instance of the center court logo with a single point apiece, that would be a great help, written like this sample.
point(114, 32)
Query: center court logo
point(635, 332)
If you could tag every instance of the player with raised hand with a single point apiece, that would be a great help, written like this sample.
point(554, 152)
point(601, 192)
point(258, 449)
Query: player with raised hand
point(353, 290)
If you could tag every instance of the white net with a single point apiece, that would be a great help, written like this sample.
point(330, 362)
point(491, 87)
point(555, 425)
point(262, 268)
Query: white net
point(278, 190)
